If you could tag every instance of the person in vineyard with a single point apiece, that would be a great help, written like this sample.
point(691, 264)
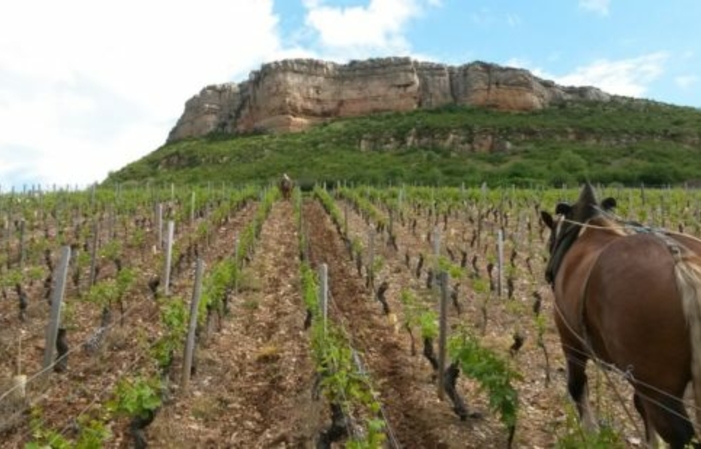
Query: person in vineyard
point(286, 185)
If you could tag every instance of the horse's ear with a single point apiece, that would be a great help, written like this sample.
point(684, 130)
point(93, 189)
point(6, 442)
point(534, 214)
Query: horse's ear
point(563, 209)
point(547, 219)
point(608, 204)
point(588, 196)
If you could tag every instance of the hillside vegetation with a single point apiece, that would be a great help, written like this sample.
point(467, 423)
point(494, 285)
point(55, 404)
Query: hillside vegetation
point(627, 142)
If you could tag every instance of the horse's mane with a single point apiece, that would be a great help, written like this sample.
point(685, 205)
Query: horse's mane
point(604, 221)
point(585, 214)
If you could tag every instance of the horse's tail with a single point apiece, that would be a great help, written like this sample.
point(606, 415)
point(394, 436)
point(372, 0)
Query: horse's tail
point(687, 271)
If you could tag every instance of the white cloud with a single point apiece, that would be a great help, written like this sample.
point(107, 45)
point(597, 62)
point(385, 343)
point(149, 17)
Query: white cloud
point(364, 30)
point(86, 87)
point(520, 63)
point(597, 6)
point(629, 77)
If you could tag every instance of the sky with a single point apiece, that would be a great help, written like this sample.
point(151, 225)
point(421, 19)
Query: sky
point(89, 86)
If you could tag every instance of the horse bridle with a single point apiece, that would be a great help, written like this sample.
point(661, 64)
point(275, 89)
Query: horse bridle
point(563, 242)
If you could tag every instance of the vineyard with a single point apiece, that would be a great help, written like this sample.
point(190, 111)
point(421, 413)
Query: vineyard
point(230, 317)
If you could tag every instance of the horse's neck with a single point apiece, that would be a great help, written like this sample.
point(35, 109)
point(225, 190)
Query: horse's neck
point(598, 236)
point(593, 235)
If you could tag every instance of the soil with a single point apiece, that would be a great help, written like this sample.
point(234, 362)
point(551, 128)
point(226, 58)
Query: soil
point(254, 379)
point(254, 376)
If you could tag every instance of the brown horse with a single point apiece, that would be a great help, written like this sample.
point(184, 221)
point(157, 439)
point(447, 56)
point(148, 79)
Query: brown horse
point(629, 297)
point(286, 185)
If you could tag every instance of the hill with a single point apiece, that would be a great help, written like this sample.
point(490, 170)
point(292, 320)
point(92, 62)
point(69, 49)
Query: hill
point(625, 141)
point(294, 94)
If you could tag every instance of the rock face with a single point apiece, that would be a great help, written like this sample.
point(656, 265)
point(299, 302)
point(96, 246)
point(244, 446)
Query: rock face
point(291, 95)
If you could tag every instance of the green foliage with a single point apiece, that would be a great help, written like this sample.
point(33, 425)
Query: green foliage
point(455, 272)
point(93, 434)
point(364, 205)
point(330, 206)
point(42, 436)
point(174, 317)
point(412, 309)
point(377, 264)
point(492, 372)
point(341, 381)
point(480, 285)
point(111, 250)
point(35, 273)
point(576, 437)
point(375, 437)
point(137, 237)
point(356, 246)
point(215, 285)
point(428, 321)
point(125, 281)
point(104, 292)
point(203, 230)
point(309, 289)
point(83, 258)
point(252, 231)
point(12, 277)
point(619, 141)
point(343, 384)
point(136, 397)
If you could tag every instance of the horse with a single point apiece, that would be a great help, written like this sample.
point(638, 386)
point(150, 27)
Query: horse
point(629, 297)
point(286, 185)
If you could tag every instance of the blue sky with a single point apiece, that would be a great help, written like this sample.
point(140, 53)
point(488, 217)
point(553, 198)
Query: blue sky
point(87, 87)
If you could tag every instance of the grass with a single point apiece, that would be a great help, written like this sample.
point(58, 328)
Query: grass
point(628, 142)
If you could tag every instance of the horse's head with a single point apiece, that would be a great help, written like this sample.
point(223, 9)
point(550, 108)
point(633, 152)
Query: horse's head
point(568, 220)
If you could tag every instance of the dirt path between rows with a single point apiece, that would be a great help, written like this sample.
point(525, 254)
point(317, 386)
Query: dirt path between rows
point(418, 418)
point(254, 380)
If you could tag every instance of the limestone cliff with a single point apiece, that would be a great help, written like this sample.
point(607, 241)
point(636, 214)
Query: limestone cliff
point(291, 95)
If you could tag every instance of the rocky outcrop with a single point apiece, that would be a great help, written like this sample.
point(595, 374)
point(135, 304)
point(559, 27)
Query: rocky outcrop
point(291, 95)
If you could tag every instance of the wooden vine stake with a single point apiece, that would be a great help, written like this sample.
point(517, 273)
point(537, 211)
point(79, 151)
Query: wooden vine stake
point(56, 300)
point(169, 257)
point(237, 264)
point(93, 254)
point(437, 253)
point(22, 250)
point(19, 382)
point(345, 219)
point(500, 262)
point(192, 208)
point(324, 292)
point(190, 343)
point(371, 260)
point(444, 279)
point(159, 226)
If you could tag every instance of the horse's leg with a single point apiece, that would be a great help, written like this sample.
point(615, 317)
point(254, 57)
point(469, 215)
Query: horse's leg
point(668, 417)
point(650, 434)
point(577, 387)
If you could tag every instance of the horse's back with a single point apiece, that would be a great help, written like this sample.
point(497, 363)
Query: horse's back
point(633, 310)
